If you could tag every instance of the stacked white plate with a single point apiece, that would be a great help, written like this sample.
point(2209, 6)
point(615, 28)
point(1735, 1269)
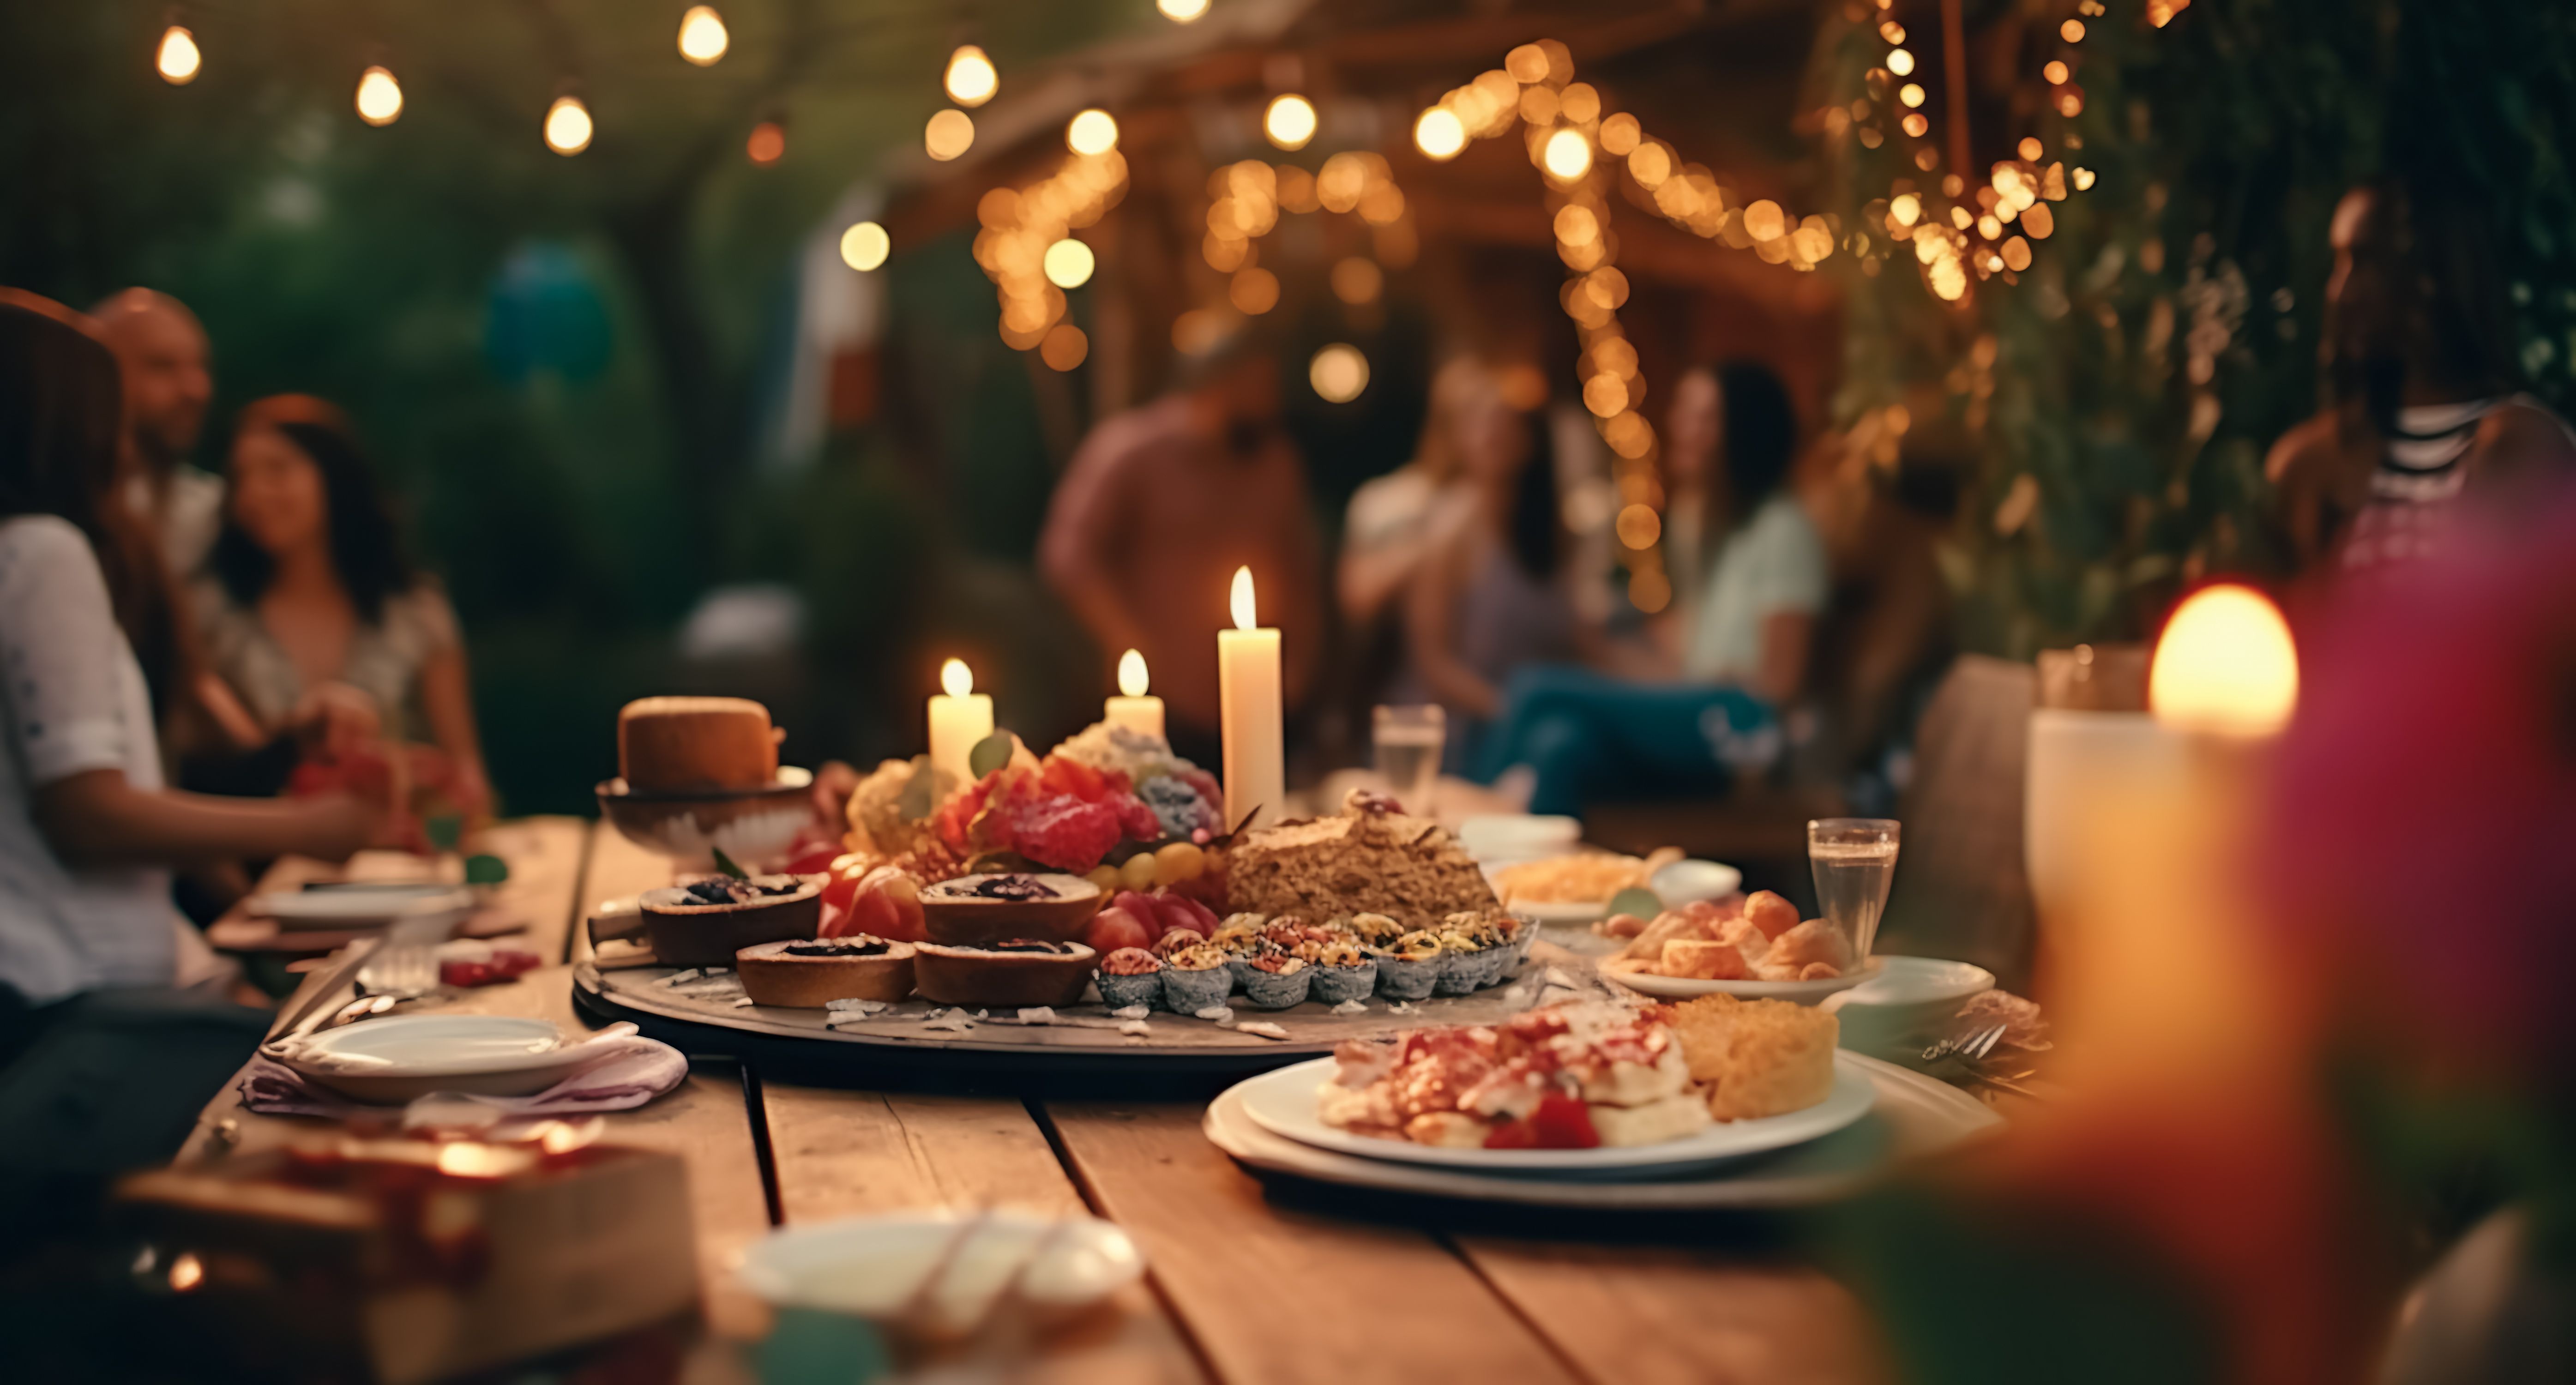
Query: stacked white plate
point(1876, 1116)
point(358, 906)
point(400, 1058)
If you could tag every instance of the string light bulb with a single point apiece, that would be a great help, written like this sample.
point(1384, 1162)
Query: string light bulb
point(1093, 131)
point(1439, 133)
point(971, 80)
point(1568, 155)
point(1182, 11)
point(568, 127)
point(768, 143)
point(1068, 263)
point(380, 98)
point(702, 35)
point(865, 246)
point(949, 134)
point(1290, 121)
point(1338, 373)
point(177, 57)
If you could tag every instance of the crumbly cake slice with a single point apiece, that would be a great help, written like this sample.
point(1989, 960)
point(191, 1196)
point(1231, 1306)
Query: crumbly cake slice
point(1757, 1057)
point(1364, 859)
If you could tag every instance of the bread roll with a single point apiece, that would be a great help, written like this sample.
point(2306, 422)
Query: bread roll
point(695, 745)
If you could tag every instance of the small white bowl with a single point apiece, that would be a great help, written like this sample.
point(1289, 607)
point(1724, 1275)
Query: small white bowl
point(400, 1058)
point(1910, 1001)
point(873, 1267)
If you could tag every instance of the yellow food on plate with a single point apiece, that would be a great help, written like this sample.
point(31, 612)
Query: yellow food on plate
point(1586, 877)
point(1757, 1057)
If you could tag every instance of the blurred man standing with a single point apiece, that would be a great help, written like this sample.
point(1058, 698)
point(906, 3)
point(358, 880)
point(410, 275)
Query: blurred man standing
point(1159, 507)
point(161, 351)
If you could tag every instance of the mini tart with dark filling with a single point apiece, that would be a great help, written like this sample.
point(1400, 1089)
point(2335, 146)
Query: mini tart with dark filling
point(810, 973)
point(1014, 973)
point(705, 922)
point(986, 910)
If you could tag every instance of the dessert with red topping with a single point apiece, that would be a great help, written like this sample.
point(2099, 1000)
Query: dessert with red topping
point(1572, 1076)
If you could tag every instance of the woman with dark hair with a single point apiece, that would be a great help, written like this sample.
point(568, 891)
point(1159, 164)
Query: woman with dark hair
point(102, 1064)
point(307, 596)
point(1744, 655)
point(1486, 599)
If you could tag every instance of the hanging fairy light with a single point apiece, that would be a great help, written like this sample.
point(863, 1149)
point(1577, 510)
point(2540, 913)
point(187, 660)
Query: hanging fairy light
point(702, 35)
point(177, 58)
point(568, 126)
point(949, 134)
point(1568, 155)
point(380, 98)
point(1290, 121)
point(865, 246)
point(1091, 132)
point(768, 143)
point(970, 79)
point(1338, 373)
point(1068, 263)
point(1190, 11)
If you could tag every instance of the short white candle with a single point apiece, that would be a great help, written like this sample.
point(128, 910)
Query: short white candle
point(958, 719)
point(1248, 703)
point(1132, 708)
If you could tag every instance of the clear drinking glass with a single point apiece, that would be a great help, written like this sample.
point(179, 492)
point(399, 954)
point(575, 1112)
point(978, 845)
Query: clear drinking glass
point(1409, 741)
point(1855, 861)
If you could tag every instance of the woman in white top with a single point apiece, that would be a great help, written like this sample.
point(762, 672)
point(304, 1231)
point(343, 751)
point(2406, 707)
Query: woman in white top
point(89, 941)
point(1744, 656)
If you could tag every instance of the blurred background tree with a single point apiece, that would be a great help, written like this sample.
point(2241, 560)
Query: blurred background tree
point(2121, 391)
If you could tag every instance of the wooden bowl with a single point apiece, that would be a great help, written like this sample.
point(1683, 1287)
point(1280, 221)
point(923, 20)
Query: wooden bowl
point(824, 970)
point(954, 914)
point(750, 825)
point(998, 980)
point(686, 932)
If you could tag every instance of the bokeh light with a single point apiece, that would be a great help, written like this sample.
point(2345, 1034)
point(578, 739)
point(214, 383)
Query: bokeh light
point(767, 144)
point(1253, 291)
point(865, 246)
point(1439, 133)
point(1182, 11)
point(2225, 663)
point(1289, 122)
point(1338, 373)
point(970, 79)
point(1064, 347)
point(1357, 280)
point(1568, 155)
point(568, 126)
point(1093, 131)
point(1068, 264)
point(702, 35)
point(380, 98)
point(177, 59)
point(949, 134)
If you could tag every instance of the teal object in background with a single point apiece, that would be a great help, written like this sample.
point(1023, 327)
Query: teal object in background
point(810, 1347)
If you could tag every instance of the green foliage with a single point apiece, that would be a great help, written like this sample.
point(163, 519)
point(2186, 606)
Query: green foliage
point(2122, 392)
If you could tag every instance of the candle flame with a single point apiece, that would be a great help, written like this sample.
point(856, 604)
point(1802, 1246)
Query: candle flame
point(956, 678)
point(1131, 674)
point(1242, 599)
point(2225, 663)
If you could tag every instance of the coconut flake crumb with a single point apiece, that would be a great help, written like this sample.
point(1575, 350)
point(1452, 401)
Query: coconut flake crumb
point(1134, 1029)
point(1218, 1014)
point(744, 1003)
point(1036, 1014)
point(1131, 1012)
point(1351, 1007)
point(681, 977)
point(864, 1007)
point(1264, 1028)
point(1556, 978)
point(1402, 1007)
point(954, 1022)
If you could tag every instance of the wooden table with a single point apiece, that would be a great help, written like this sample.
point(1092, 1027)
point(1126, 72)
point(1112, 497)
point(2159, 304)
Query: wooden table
point(1249, 1284)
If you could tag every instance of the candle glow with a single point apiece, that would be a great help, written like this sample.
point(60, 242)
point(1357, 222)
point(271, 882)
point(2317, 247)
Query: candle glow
point(955, 679)
point(1239, 601)
point(2225, 664)
point(1131, 674)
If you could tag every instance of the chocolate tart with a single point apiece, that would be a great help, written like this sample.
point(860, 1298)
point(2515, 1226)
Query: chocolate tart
point(810, 973)
point(980, 910)
point(704, 923)
point(1014, 973)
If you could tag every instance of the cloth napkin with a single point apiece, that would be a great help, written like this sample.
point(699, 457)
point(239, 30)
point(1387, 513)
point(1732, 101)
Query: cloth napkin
point(626, 1073)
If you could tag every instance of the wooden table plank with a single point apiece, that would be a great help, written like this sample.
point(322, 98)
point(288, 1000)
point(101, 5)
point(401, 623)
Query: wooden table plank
point(1271, 1294)
point(1646, 1316)
point(842, 1154)
point(546, 857)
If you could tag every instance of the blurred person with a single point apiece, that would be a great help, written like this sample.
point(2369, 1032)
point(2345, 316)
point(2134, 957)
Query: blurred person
point(1692, 436)
point(2420, 375)
point(1486, 599)
point(1158, 508)
point(308, 609)
point(161, 350)
point(104, 1058)
point(1744, 657)
point(1386, 530)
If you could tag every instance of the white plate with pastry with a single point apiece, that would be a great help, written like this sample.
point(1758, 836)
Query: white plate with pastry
point(1577, 888)
point(1285, 1103)
point(1626, 972)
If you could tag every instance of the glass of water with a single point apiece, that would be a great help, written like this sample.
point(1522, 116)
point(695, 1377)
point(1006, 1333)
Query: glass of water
point(1855, 861)
point(1409, 741)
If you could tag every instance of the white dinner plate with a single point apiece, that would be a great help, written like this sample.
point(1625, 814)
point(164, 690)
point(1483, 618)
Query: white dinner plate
point(1916, 1118)
point(1692, 987)
point(1284, 1102)
point(361, 906)
point(1682, 882)
point(399, 1058)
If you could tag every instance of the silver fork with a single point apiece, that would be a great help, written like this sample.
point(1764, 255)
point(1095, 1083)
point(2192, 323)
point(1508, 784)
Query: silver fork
point(1970, 1047)
point(404, 962)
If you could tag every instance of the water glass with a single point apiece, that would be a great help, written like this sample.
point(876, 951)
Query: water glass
point(1409, 741)
point(1854, 860)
